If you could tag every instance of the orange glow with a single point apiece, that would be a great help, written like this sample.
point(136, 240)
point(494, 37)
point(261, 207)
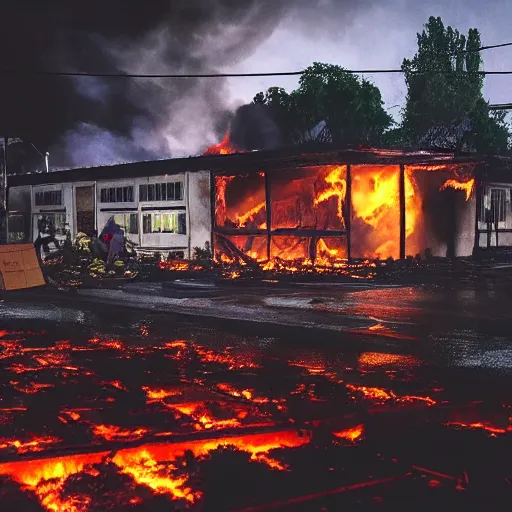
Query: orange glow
point(36, 444)
point(313, 199)
point(114, 433)
point(350, 434)
point(338, 189)
point(157, 394)
point(493, 431)
point(382, 395)
point(375, 359)
point(223, 148)
point(466, 186)
point(151, 465)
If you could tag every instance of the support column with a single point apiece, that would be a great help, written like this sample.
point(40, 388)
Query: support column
point(478, 196)
point(213, 194)
point(402, 211)
point(268, 209)
point(348, 212)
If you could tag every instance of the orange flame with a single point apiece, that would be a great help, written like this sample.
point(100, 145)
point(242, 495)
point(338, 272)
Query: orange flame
point(223, 148)
point(466, 186)
point(338, 189)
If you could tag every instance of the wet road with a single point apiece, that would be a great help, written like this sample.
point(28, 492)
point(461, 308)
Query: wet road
point(114, 382)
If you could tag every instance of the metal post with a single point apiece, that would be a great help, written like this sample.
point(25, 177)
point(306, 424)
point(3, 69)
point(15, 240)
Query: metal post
point(402, 211)
point(268, 208)
point(348, 211)
point(4, 196)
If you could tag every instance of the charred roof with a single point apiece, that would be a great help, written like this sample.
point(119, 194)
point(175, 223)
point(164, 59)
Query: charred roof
point(241, 163)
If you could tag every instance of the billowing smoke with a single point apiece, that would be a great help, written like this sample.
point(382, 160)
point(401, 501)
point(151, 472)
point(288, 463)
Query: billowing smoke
point(87, 121)
point(252, 128)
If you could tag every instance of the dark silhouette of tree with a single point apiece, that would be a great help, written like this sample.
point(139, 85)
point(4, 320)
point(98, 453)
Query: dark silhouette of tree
point(351, 107)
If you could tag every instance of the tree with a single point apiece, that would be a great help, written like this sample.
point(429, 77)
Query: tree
point(351, 107)
point(444, 88)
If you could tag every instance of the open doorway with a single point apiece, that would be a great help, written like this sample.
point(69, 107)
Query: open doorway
point(84, 200)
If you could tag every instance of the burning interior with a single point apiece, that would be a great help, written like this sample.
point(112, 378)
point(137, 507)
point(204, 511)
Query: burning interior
point(323, 216)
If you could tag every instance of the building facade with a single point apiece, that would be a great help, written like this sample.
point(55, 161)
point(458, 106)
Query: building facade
point(168, 213)
point(319, 206)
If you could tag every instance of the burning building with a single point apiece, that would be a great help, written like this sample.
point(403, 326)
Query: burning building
point(281, 208)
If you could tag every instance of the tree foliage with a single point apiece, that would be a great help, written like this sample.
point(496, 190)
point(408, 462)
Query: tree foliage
point(351, 107)
point(444, 87)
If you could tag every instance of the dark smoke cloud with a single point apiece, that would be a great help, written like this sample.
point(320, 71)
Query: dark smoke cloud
point(252, 128)
point(85, 120)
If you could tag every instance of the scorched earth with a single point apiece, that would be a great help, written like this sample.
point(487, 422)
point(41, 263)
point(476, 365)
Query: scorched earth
point(104, 408)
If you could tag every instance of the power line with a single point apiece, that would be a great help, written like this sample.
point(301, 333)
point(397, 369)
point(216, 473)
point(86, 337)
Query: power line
point(239, 75)
point(490, 47)
point(502, 106)
point(231, 75)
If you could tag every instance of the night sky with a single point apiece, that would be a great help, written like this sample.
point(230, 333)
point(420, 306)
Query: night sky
point(90, 121)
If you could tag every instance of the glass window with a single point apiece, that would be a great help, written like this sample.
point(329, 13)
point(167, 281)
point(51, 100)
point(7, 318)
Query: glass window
point(48, 198)
point(128, 222)
point(495, 211)
point(171, 222)
point(151, 192)
point(116, 195)
point(143, 192)
point(170, 191)
point(158, 192)
point(50, 223)
point(178, 191)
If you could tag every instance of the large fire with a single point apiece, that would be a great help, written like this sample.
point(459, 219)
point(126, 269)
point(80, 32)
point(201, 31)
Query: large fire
point(312, 202)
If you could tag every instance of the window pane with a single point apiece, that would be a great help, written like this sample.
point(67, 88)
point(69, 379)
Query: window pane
point(130, 194)
point(103, 196)
point(111, 195)
point(143, 193)
point(178, 191)
point(182, 223)
point(134, 225)
point(170, 191)
point(146, 223)
point(163, 186)
point(158, 192)
point(119, 195)
point(151, 192)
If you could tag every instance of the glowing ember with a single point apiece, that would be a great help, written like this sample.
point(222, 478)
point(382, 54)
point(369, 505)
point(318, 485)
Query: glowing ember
point(350, 434)
point(466, 186)
point(493, 431)
point(157, 394)
point(382, 395)
point(150, 465)
point(36, 444)
point(114, 433)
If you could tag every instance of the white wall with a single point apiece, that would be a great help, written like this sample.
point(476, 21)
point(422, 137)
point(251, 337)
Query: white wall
point(199, 209)
point(465, 218)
